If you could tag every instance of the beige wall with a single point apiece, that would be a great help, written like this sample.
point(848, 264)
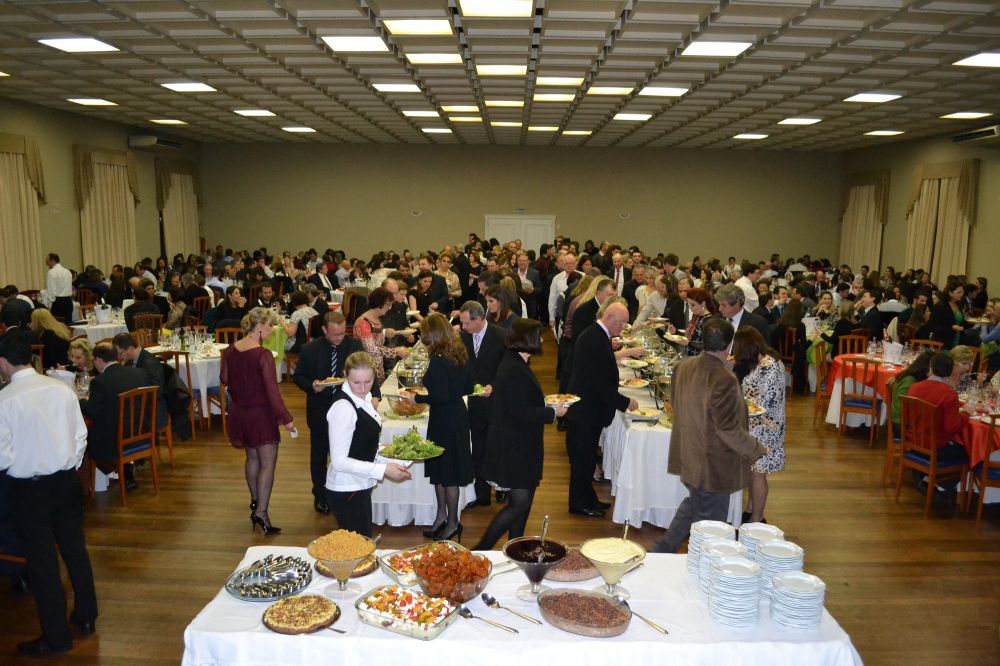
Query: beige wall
point(903, 161)
point(359, 198)
point(56, 133)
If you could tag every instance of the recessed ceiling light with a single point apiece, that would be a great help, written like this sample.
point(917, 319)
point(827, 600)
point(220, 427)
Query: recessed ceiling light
point(356, 44)
point(3, 74)
point(663, 91)
point(418, 26)
point(168, 121)
point(749, 136)
point(633, 116)
point(799, 121)
point(502, 8)
point(967, 115)
point(299, 130)
point(883, 133)
point(609, 90)
point(553, 97)
point(505, 123)
point(559, 81)
point(542, 128)
point(465, 119)
point(512, 103)
point(254, 113)
point(577, 132)
point(460, 108)
point(435, 58)
point(188, 86)
point(980, 60)
point(397, 87)
point(420, 114)
point(90, 101)
point(436, 130)
point(716, 49)
point(501, 70)
point(872, 98)
point(78, 45)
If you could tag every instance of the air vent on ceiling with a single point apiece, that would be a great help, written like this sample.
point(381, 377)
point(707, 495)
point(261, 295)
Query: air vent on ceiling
point(982, 134)
point(152, 142)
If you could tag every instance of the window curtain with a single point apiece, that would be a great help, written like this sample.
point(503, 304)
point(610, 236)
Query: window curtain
point(940, 216)
point(22, 190)
point(177, 198)
point(866, 208)
point(107, 193)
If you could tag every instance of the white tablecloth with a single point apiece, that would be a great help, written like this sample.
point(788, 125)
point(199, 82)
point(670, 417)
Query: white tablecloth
point(204, 373)
point(635, 460)
point(228, 631)
point(411, 501)
point(852, 420)
point(97, 332)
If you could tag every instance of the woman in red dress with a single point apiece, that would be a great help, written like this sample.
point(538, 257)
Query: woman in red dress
point(255, 410)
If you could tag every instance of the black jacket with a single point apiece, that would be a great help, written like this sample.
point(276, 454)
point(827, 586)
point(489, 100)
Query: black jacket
point(484, 370)
point(156, 377)
point(872, 320)
point(584, 315)
point(138, 308)
point(940, 323)
point(595, 379)
point(102, 408)
point(314, 363)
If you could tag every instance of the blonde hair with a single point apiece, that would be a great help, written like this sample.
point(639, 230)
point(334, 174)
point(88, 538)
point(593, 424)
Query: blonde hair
point(43, 320)
point(846, 310)
point(359, 361)
point(581, 286)
point(258, 317)
point(83, 344)
point(962, 354)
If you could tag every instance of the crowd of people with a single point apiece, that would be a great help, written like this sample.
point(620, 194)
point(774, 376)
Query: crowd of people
point(481, 309)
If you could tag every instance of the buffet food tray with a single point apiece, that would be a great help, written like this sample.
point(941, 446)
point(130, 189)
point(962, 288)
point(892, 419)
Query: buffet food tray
point(271, 578)
point(406, 612)
point(406, 576)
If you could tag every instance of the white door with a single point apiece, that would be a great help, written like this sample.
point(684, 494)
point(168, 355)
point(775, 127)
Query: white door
point(533, 230)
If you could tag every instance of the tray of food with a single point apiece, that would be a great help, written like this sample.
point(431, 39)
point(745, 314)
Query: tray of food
point(753, 409)
point(573, 568)
point(330, 381)
point(401, 408)
point(402, 611)
point(398, 565)
point(561, 399)
point(301, 614)
point(365, 567)
point(270, 578)
point(634, 383)
point(584, 613)
point(634, 363)
point(457, 575)
point(644, 414)
point(411, 446)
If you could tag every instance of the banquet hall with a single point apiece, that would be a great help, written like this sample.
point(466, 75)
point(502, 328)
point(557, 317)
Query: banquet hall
point(863, 133)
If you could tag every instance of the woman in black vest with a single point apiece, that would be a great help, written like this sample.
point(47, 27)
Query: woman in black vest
point(354, 433)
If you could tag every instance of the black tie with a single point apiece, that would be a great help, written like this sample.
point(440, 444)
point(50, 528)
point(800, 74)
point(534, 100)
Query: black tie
point(333, 361)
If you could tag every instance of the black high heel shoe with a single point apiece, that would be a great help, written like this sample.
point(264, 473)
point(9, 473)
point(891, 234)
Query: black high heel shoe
point(265, 525)
point(434, 531)
point(454, 535)
point(253, 505)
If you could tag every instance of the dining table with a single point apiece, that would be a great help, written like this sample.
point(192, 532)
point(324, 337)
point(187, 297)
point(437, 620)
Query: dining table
point(97, 332)
point(230, 632)
point(205, 370)
point(874, 382)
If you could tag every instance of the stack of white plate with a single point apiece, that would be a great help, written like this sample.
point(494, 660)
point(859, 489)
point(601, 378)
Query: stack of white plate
point(774, 557)
point(797, 600)
point(752, 534)
point(701, 530)
point(712, 550)
point(734, 591)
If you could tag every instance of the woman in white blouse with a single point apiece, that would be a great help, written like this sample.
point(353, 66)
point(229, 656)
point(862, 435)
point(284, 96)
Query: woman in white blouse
point(355, 427)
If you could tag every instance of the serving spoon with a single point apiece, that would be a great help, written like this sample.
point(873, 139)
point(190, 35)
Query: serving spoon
point(492, 602)
point(621, 600)
point(466, 613)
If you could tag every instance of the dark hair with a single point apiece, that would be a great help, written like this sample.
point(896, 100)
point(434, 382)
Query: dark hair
point(298, 298)
point(918, 369)
point(106, 352)
point(524, 335)
point(942, 364)
point(425, 274)
point(716, 334)
point(842, 286)
point(437, 334)
point(124, 341)
point(176, 295)
point(379, 297)
point(53, 256)
point(699, 295)
point(792, 316)
point(16, 347)
point(672, 259)
point(230, 289)
point(748, 346)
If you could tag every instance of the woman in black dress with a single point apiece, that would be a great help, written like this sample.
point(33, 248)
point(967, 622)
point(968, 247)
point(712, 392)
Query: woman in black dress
point(514, 447)
point(947, 322)
point(447, 381)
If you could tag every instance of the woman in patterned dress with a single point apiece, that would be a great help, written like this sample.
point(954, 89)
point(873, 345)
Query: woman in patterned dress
point(762, 377)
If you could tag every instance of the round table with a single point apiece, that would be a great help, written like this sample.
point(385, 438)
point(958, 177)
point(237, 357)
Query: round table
point(876, 378)
point(97, 332)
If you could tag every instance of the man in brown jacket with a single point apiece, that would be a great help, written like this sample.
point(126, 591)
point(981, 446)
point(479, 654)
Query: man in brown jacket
point(710, 449)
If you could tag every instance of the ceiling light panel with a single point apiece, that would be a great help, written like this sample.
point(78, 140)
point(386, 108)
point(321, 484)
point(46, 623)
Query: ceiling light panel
point(553, 97)
point(508, 103)
point(574, 81)
point(609, 90)
point(436, 130)
point(501, 70)
point(296, 129)
point(967, 115)
point(188, 86)
point(505, 123)
point(634, 117)
point(418, 26)
point(435, 58)
point(799, 121)
point(254, 113)
point(497, 8)
point(90, 101)
point(980, 60)
point(883, 133)
point(460, 108)
point(709, 49)
point(168, 121)
point(396, 87)
point(662, 91)
point(355, 44)
point(78, 45)
point(872, 98)
point(417, 113)
point(750, 136)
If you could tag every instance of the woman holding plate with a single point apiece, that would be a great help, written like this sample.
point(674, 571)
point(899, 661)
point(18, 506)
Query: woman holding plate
point(701, 305)
point(354, 427)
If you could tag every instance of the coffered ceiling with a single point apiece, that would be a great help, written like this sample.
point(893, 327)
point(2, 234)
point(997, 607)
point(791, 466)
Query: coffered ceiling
point(805, 57)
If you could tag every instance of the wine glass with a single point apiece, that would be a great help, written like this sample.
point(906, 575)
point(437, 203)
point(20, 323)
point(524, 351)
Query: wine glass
point(613, 557)
point(535, 560)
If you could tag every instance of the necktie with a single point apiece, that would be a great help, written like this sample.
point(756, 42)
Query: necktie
point(477, 341)
point(333, 361)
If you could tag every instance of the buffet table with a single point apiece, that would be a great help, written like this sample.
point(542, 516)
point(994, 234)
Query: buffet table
point(228, 631)
point(635, 460)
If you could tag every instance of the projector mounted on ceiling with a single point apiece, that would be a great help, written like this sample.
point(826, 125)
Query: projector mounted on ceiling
point(152, 142)
point(983, 134)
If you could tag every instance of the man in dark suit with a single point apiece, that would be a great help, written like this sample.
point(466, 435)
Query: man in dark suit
point(161, 302)
point(322, 358)
point(531, 283)
point(595, 379)
point(321, 279)
point(143, 305)
point(619, 272)
point(730, 299)
point(767, 309)
point(677, 310)
point(318, 303)
point(102, 407)
point(129, 351)
point(871, 318)
point(484, 344)
point(439, 287)
point(628, 293)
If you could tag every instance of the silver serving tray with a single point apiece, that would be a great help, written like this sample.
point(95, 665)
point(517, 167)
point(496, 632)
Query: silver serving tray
point(271, 578)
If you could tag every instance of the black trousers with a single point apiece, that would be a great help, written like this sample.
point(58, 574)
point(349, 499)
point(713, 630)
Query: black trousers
point(319, 452)
point(48, 512)
point(352, 509)
point(581, 445)
point(63, 307)
point(479, 431)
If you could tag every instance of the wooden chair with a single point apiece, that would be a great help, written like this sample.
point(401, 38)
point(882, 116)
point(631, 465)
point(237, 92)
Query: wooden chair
point(863, 332)
point(918, 428)
point(87, 300)
point(857, 397)
point(191, 322)
point(253, 293)
point(151, 323)
point(145, 337)
point(135, 439)
point(987, 473)
point(228, 335)
point(201, 305)
point(892, 444)
point(851, 344)
point(979, 363)
point(184, 372)
point(822, 398)
point(925, 345)
point(906, 333)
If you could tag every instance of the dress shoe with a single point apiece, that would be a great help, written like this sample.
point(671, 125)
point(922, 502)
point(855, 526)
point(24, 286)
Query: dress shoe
point(502, 496)
point(435, 531)
point(602, 505)
point(321, 507)
point(561, 425)
point(474, 503)
point(40, 647)
point(86, 628)
point(590, 513)
point(130, 483)
point(603, 479)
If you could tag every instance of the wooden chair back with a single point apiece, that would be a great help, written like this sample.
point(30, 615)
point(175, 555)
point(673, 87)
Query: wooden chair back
point(86, 297)
point(786, 346)
point(148, 322)
point(181, 361)
point(906, 333)
point(201, 305)
point(989, 472)
point(110, 341)
point(979, 363)
point(862, 332)
point(925, 345)
point(190, 322)
point(891, 440)
point(822, 397)
point(859, 396)
point(253, 293)
point(136, 437)
point(851, 344)
point(228, 335)
point(145, 337)
point(918, 434)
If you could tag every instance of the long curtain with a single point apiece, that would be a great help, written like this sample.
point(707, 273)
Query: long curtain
point(921, 224)
point(177, 198)
point(22, 190)
point(861, 226)
point(107, 195)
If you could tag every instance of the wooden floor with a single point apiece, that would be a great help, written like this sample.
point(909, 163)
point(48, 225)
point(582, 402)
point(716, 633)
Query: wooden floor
point(907, 590)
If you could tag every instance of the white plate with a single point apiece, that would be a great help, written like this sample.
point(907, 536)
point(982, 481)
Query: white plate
point(759, 532)
point(633, 363)
point(709, 528)
point(634, 383)
point(798, 582)
point(737, 567)
point(779, 549)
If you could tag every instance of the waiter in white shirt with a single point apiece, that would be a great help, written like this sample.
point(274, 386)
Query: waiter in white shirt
point(59, 289)
point(567, 265)
point(42, 441)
